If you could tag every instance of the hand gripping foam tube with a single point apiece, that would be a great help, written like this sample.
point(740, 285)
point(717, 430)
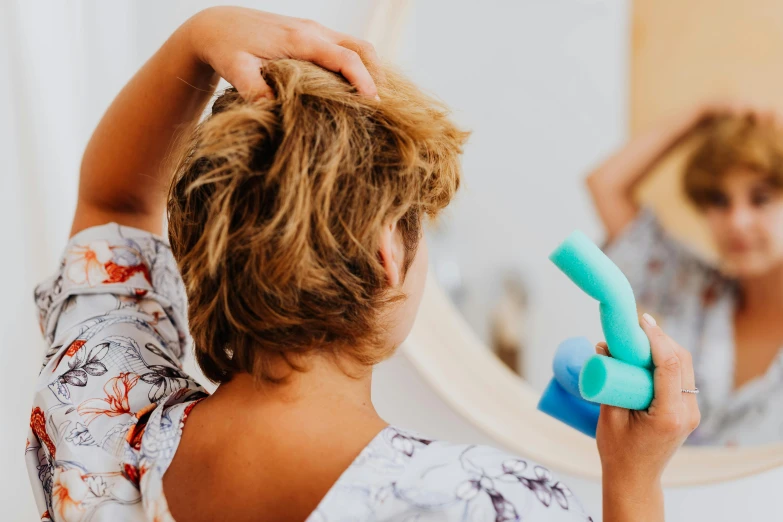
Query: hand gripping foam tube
point(562, 399)
point(625, 379)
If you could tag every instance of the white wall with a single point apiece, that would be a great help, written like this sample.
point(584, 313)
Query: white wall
point(540, 82)
point(542, 85)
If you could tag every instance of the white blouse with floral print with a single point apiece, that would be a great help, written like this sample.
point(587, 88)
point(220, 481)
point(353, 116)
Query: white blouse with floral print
point(696, 305)
point(111, 401)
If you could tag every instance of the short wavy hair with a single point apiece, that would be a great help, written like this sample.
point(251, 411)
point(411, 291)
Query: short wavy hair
point(729, 142)
point(276, 208)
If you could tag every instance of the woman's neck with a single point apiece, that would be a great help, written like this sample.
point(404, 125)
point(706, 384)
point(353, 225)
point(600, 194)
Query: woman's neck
point(763, 294)
point(326, 390)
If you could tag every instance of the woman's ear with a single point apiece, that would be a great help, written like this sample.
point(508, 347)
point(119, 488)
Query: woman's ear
point(392, 253)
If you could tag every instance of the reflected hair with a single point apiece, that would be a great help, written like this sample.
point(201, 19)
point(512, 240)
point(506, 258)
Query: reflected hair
point(731, 142)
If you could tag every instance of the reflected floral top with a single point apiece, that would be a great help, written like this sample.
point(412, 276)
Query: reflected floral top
point(111, 401)
point(696, 304)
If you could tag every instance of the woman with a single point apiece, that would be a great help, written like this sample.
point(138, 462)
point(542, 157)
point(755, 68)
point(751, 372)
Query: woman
point(729, 315)
point(295, 221)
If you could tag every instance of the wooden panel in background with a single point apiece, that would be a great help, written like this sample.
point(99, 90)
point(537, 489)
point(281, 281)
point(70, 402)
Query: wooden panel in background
point(683, 52)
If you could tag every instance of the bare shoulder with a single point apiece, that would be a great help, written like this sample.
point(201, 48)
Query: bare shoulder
point(233, 464)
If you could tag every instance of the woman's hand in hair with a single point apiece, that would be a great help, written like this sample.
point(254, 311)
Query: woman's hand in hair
point(636, 446)
point(760, 113)
point(237, 42)
point(127, 167)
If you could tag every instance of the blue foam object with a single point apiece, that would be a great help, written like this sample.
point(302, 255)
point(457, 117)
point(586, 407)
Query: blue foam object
point(571, 356)
point(587, 266)
point(561, 398)
point(573, 411)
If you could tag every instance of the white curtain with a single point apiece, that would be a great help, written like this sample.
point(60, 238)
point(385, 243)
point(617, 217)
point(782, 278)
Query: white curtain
point(61, 63)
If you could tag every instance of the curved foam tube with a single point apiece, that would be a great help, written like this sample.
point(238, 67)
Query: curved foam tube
point(609, 381)
point(573, 411)
point(571, 356)
point(587, 266)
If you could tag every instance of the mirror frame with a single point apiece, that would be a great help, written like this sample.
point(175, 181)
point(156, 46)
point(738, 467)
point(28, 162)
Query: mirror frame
point(465, 373)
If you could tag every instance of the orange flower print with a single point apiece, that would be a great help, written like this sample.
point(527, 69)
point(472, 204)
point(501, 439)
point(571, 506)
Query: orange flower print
point(74, 347)
point(120, 274)
point(86, 264)
point(69, 352)
point(68, 493)
point(136, 432)
point(38, 425)
point(116, 401)
point(131, 473)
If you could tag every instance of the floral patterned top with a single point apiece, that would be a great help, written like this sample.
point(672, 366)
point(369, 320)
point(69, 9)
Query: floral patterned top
point(696, 304)
point(111, 401)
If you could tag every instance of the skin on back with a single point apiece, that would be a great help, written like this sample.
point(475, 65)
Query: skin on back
point(274, 452)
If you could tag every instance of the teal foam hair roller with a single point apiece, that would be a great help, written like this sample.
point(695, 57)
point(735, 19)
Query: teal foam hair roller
point(592, 271)
point(608, 381)
point(625, 379)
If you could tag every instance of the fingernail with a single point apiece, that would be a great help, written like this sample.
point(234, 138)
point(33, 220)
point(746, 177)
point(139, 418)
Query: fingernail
point(650, 320)
point(600, 349)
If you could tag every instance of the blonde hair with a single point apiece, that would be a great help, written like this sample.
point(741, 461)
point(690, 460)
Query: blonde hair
point(276, 208)
point(731, 142)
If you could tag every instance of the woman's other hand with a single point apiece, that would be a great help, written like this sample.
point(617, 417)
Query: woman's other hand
point(236, 42)
point(764, 114)
point(636, 446)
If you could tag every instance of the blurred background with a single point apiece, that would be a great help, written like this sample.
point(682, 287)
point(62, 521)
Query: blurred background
point(548, 87)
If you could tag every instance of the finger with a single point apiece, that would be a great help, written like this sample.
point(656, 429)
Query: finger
point(686, 366)
point(342, 60)
point(245, 75)
point(602, 349)
point(689, 383)
point(668, 368)
point(614, 416)
point(363, 48)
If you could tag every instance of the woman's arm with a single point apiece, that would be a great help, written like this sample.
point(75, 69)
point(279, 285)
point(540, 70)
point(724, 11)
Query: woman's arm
point(632, 501)
point(636, 446)
point(124, 174)
point(611, 184)
point(125, 169)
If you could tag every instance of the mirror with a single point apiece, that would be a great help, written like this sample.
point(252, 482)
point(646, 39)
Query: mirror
point(560, 89)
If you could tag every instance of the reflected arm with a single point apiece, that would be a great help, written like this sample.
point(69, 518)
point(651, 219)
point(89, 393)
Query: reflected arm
point(611, 184)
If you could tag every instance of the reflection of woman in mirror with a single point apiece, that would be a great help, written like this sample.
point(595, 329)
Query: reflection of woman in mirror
point(729, 315)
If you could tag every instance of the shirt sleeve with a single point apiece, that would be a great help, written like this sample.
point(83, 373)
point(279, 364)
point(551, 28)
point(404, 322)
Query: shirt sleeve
point(114, 320)
point(663, 273)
